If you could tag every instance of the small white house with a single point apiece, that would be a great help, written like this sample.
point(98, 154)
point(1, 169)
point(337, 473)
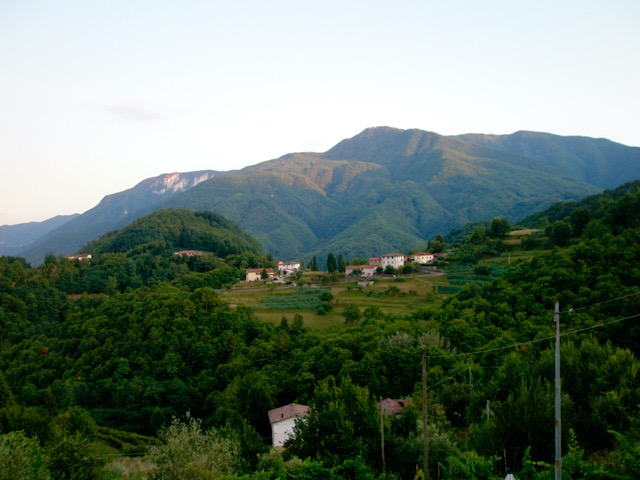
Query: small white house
point(283, 419)
point(79, 256)
point(396, 260)
point(255, 274)
point(286, 269)
point(422, 257)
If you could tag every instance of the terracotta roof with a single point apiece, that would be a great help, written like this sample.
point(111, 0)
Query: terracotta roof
point(393, 407)
point(288, 411)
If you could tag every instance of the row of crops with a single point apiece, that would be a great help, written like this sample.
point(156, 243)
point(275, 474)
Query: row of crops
point(304, 299)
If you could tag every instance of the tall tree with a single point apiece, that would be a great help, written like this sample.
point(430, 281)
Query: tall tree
point(342, 424)
point(498, 228)
point(332, 265)
point(342, 265)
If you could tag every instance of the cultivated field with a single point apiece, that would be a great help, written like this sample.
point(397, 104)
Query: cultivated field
point(397, 295)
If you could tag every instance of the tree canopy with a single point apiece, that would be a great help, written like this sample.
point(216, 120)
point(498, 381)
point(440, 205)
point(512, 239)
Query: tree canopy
point(124, 344)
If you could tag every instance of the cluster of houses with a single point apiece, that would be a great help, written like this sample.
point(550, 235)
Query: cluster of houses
point(79, 256)
point(283, 269)
point(283, 419)
point(395, 260)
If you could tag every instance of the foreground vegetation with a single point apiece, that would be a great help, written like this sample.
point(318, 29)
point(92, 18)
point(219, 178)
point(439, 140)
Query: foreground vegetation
point(138, 354)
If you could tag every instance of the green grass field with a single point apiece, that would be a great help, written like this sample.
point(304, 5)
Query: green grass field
point(400, 295)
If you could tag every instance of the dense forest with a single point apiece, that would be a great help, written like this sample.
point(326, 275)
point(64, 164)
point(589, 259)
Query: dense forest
point(136, 350)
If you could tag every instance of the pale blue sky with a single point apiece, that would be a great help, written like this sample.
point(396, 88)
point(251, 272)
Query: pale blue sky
point(96, 96)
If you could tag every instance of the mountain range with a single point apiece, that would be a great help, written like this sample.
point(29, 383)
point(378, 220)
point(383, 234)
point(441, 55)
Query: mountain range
point(383, 190)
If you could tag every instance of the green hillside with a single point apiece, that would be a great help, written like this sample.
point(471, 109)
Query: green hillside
point(113, 212)
point(135, 353)
point(389, 189)
point(179, 230)
point(384, 189)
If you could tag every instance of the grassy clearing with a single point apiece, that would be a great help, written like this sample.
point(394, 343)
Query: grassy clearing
point(400, 295)
point(514, 256)
point(134, 468)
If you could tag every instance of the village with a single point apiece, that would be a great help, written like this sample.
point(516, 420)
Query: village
point(375, 266)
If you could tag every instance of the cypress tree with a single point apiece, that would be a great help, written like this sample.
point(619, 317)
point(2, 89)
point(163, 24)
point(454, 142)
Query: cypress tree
point(331, 263)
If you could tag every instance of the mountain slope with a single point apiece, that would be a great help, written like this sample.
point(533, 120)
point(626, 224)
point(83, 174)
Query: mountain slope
point(15, 238)
point(178, 230)
point(581, 158)
point(384, 189)
point(114, 211)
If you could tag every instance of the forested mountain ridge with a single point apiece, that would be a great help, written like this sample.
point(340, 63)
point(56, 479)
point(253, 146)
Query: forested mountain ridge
point(581, 158)
point(146, 252)
point(15, 238)
point(388, 189)
point(179, 230)
point(383, 190)
point(132, 356)
point(113, 212)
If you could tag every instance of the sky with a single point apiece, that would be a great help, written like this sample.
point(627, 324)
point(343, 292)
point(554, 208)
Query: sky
point(96, 96)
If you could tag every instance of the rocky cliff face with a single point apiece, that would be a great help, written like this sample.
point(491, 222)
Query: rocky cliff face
point(113, 211)
point(178, 182)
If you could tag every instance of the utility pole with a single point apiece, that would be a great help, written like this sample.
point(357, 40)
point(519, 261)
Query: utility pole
point(425, 435)
point(384, 462)
point(556, 319)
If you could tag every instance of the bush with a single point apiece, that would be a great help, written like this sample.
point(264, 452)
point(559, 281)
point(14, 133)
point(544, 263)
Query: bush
point(324, 308)
point(188, 452)
point(21, 458)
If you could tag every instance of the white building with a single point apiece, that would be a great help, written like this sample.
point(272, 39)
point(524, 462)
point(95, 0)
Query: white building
point(79, 256)
point(283, 419)
point(396, 260)
point(255, 274)
point(367, 270)
point(286, 269)
point(422, 257)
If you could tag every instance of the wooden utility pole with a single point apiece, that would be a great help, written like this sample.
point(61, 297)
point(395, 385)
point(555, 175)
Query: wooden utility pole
point(384, 463)
point(556, 320)
point(425, 435)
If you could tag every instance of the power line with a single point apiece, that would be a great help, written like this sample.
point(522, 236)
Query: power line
point(530, 342)
point(600, 325)
point(571, 310)
point(449, 378)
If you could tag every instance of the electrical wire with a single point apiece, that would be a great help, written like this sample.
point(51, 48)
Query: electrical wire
point(530, 342)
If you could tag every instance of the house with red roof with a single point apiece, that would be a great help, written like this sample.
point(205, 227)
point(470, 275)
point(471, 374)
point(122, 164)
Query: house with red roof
point(255, 274)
